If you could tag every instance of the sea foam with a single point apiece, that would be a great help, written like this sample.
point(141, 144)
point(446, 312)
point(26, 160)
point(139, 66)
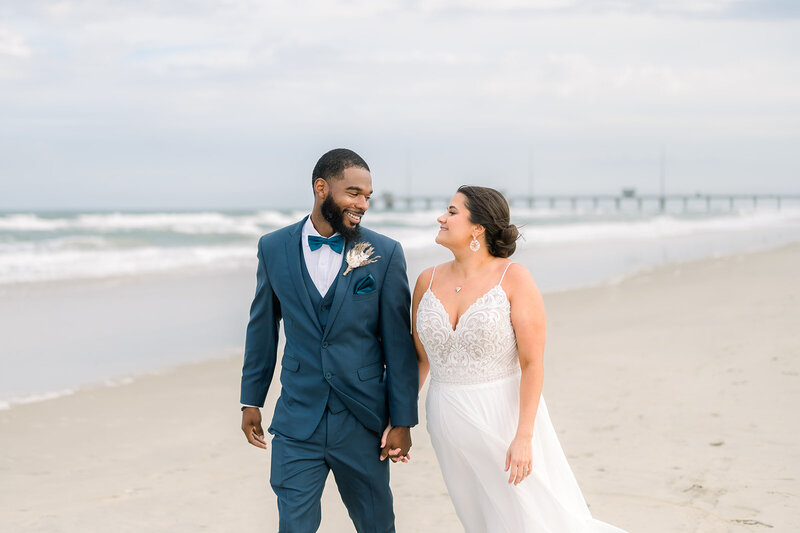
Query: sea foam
point(44, 247)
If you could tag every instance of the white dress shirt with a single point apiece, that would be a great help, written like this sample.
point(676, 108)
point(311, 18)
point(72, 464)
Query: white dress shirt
point(323, 264)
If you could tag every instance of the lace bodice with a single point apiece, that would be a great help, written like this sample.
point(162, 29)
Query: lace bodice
point(483, 346)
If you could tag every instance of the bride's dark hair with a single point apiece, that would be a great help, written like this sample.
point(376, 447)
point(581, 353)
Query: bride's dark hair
point(489, 208)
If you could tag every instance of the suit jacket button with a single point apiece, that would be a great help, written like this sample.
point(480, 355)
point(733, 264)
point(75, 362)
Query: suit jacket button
point(327, 375)
point(324, 344)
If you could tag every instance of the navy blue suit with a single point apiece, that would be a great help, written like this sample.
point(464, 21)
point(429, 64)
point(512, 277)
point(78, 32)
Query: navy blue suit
point(348, 365)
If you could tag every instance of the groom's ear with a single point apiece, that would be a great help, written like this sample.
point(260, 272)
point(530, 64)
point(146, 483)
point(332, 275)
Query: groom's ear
point(321, 188)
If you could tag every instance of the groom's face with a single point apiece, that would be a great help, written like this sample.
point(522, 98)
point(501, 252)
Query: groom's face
point(347, 201)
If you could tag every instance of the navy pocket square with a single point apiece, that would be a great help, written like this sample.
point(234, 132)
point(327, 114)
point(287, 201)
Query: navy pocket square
point(366, 285)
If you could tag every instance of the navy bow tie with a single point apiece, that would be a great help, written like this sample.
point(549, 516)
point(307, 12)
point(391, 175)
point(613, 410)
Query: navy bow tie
point(336, 242)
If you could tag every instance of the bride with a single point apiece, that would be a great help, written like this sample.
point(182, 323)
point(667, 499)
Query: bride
point(479, 329)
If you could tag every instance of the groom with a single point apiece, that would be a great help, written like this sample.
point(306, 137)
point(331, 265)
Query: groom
point(348, 367)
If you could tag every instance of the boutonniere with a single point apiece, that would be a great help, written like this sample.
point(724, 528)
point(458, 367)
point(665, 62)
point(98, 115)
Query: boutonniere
point(359, 255)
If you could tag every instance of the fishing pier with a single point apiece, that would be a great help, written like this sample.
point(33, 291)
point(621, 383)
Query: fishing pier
point(626, 199)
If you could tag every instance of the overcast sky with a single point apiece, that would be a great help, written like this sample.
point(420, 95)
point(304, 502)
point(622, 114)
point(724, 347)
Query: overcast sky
point(229, 103)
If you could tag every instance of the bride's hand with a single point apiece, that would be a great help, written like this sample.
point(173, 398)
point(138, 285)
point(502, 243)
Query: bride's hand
point(519, 459)
point(393, 454)
point(386, 434)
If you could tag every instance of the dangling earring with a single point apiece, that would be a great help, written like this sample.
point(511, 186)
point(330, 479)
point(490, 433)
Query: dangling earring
point(474, 245)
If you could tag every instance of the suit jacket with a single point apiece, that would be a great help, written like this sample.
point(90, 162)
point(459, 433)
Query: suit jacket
point(366, 353)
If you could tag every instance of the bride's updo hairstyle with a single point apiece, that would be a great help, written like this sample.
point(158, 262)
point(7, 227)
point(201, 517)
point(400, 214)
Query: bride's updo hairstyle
point(489, 208)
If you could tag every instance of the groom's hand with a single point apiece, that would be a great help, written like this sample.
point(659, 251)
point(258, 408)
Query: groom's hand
point(399, 438)
point(251, 425)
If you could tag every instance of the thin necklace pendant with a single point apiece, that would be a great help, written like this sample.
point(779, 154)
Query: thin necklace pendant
point(458, 289)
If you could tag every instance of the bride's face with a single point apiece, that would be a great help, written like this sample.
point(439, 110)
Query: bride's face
point(455, 229)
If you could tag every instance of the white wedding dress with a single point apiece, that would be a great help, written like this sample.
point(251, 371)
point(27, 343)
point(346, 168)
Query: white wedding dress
point(472, 410)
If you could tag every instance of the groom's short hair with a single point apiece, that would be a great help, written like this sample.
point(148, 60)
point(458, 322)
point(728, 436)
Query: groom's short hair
point(332, 164)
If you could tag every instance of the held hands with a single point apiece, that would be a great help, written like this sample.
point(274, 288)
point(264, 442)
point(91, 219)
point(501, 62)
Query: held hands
point(395, 443)
point(251, 425)
point(519, 458)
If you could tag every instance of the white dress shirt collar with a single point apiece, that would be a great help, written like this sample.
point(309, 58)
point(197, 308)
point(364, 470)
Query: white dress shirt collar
point(323, 264)
point(309, 229)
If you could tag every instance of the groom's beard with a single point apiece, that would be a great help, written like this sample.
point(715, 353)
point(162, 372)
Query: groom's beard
point(334, 215)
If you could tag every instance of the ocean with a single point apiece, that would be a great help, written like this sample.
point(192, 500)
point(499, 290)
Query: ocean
point(51, 246)
point(91, 298)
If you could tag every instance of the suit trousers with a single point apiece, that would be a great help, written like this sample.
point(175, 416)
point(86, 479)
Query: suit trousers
point(342, 444)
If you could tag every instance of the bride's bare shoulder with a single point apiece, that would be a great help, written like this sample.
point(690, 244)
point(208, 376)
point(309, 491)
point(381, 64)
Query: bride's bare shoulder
point(425, 276)
point(518, 279)
point(423, 280)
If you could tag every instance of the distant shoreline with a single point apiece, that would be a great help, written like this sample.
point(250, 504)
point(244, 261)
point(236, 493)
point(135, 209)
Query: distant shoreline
point(790, 196)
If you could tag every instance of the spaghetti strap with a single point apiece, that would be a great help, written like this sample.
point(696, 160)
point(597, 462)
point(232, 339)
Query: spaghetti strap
point(504, 272)
point(432, 273)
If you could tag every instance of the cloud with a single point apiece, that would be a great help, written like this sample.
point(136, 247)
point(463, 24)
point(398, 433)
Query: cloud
point(131, 88)
point(13, 45)
point(749, 9)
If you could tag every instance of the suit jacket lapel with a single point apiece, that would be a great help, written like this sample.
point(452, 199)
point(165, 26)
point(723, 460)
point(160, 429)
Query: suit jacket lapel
point(342, 288)
point(294, 253)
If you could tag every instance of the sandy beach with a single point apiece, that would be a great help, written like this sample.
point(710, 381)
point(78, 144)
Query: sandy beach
point(672, 391)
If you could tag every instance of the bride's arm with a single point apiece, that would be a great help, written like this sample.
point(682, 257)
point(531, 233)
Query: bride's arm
point(423, 281)
point(528, 320)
